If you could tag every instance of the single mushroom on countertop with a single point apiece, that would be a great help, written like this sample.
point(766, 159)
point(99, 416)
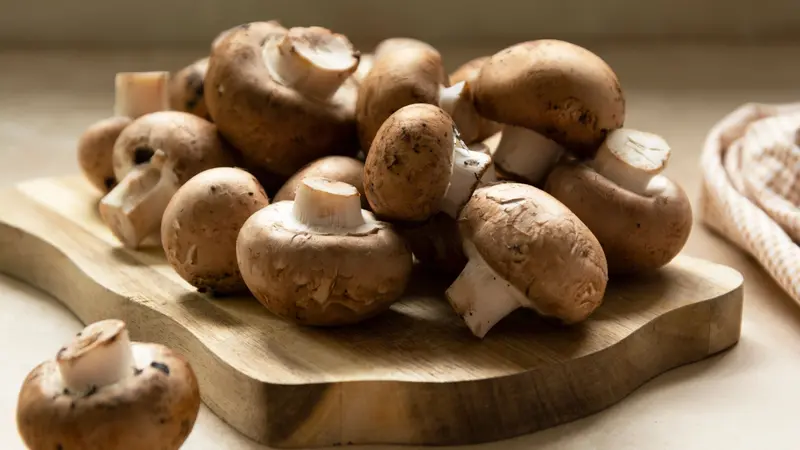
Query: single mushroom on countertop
point(186, 89)
point(641, 218)
point(153, 157)
point(525, 250)
point(103, 391)
point(280, 97)
point(418, 166)
point(338, 168)
point(321, 259)
point(201, 223)
point(552, 96)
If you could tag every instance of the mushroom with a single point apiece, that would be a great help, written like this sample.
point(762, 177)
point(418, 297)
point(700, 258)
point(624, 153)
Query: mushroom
point(640, 217)
point(104, 391)
point(338, 168)
point(201, 223)
point(95, 148)
point(140, 93)
point(525, 250)
point(464, 112)
point(280, 97)
point(552, 96)
point(364, 66)
point(154, 156)
point(320, 259)
point(186, 89)
point(418, 166)
point(436, 243)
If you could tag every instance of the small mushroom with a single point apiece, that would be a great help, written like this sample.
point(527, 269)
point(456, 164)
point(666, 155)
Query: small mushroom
point(280, 97)
point(140, 93)
point(186, 91)
point(641, 218)
point(153, 157)
point(95, 149)
point(201, 223)
point(337, 168)
point(552, 96)
point(464, 112)
point(321, 259)
point(525, 250)
point(104, 391)
point(418, 166)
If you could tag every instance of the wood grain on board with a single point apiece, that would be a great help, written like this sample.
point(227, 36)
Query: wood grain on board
point(414, 375)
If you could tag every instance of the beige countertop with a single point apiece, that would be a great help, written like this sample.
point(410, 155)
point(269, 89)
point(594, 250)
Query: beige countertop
point(744, 398)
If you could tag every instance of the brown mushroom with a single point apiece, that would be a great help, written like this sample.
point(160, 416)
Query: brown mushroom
point(280, 97)
point(436, 243)
point(153, 157)
point(104, 391)
point(337, 168)
point(641, 218)
point(186, 89)
point(95, 149)
point(525, 250)
point(201, 223)
point(418, 166)
point(321, 259)
point(552, 96)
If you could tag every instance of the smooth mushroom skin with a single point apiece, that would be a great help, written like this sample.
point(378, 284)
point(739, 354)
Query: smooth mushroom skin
point(405, 71)
point(320, 260)
point(95, 150)
point(153, 157)
point(154, 406)
point(436, 243)
point(186, 89)
point(540, 255)
point(276, 128)
point(638, 233)
point(201, 223)
point(338, 168)
point(468, 72)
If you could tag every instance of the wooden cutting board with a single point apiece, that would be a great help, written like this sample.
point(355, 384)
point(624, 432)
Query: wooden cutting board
point(414, 375)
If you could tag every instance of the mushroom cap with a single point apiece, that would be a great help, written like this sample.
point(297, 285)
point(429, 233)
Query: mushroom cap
point(190, 144)
point(155, 407)
point(637, 233)
point(338, 168)
point(95, 151)
point(408, 167)
point(321, 278)
point(436, 243)
point(201, 223)
point(186, 89)
point(404, 72)
point(539, 246)
point(555, 88)
point(275, 127)
point(469, 72)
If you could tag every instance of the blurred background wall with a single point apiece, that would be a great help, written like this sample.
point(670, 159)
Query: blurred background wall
point(191, 23)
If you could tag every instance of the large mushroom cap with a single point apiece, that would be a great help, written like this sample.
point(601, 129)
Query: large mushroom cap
point(539, 246)
point(201, 223)
point(276, 127)
point(153, 406)
point(638, 233)
point(338, 168)
point(407, 172)
point(320, 259)
point(95, 151)
point(186, 89)
point(558, 89)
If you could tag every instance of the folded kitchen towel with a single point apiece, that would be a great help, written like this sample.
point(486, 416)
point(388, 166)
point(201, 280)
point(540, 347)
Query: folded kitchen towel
point(751, 186)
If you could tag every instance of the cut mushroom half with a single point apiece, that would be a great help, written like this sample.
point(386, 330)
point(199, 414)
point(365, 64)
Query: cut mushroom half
point(631, 158)
point(313, 60)
point(140, 93)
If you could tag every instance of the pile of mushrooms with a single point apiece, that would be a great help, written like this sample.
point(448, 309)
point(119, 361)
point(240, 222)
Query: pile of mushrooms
point(288, 164)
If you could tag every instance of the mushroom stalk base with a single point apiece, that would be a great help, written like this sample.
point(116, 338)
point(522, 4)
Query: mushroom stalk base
point(100, 355)
point(526, 154)
point(456, 101)
point(631, 158)
point(470, 169)
point(140, 93)
point(323, 203)
point(133, 209)
point(482, 297)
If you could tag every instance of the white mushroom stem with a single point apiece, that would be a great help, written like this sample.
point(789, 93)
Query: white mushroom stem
point(99, 355)
point(133, 209)
point(324, 203)
point(631, 158)
point(456, 101)
point(526, 154)
point(140, 93)
point(313, 61)
point(470, 169)
point(480, 296)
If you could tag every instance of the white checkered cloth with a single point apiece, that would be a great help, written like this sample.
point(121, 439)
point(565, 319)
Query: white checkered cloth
point(751, 186)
